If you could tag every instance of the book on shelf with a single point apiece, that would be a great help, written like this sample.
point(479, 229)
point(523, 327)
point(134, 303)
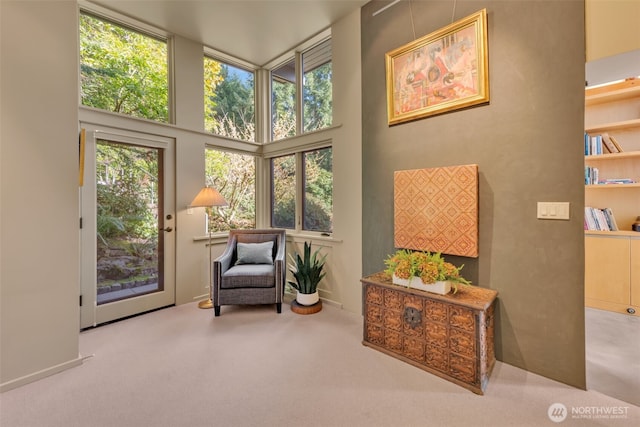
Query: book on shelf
point(616, 181)
point(615, 143)
point(613, 225)
point(608, 143)
point(592, 145)
point(599, 219)
point(599, 144)
point(591, 175)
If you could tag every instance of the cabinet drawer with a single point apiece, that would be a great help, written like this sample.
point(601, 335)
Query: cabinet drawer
point(463, 343)
point(462, 318)
point(462, 368)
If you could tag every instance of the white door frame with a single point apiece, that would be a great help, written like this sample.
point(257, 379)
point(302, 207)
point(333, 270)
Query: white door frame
point(90, 313)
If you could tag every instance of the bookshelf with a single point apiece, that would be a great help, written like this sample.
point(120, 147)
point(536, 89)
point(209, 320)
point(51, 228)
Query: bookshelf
point(612, 258)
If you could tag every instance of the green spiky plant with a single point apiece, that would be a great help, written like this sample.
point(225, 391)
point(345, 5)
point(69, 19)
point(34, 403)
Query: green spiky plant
point(307, 270)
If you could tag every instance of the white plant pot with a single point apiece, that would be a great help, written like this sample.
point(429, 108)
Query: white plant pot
point(440, 287)
point(308, 299)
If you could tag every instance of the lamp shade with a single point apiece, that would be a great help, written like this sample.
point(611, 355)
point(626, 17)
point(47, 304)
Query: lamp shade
point(208, 197)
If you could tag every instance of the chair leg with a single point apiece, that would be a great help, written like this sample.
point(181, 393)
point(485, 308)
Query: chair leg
point(279, 307)
point(216, 309)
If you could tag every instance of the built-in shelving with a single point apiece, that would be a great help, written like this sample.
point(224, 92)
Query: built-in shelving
point(612, 258)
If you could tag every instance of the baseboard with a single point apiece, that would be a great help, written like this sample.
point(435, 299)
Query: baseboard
point(18, 382)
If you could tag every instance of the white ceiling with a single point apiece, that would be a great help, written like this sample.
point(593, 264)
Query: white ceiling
point(256, 31)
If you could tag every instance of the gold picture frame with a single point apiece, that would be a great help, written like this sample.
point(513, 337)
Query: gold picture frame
point(441, 72)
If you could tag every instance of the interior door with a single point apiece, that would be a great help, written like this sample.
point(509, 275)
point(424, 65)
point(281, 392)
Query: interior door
point(127, 230)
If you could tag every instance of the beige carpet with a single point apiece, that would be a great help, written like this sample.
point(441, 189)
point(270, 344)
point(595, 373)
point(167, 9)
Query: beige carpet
point(252, 367)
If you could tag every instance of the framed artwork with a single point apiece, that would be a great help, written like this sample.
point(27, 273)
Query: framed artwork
point(443, 71)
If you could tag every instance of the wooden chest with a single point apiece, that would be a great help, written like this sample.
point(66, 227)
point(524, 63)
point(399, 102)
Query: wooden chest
point(451, 336)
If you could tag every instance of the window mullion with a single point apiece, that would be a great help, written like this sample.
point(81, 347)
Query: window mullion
point(299, 87)
point(299, 190)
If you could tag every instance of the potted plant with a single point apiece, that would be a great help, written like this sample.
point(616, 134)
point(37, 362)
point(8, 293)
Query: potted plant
point(424, 270)
point(307, 271)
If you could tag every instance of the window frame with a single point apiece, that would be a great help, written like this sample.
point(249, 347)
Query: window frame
point(298, 151)
point(297, 56)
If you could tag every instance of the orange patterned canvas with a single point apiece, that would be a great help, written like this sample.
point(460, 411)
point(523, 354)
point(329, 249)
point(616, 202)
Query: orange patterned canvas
point(436, 210)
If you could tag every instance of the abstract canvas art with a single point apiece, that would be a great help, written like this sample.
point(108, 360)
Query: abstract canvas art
point(436, 210)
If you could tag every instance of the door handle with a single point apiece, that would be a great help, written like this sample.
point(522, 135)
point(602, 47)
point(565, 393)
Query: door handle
point(168, 229)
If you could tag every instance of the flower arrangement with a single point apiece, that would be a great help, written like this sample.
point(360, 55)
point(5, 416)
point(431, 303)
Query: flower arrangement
point(429, 267)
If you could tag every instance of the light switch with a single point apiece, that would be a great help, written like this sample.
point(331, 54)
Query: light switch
point(189, 211)
point(553, 210)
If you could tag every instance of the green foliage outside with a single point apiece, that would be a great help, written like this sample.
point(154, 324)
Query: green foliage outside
point(318, 192)
point(317, 99)
point(123, 71)
point(283, 170)
point(234, 176)
point(127, 203)
point(229, 101)
point(283, 105)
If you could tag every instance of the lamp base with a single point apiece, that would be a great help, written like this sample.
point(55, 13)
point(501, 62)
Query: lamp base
point(208, 303)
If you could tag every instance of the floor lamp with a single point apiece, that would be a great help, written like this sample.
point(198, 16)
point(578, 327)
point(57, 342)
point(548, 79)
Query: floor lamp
point(208, 198)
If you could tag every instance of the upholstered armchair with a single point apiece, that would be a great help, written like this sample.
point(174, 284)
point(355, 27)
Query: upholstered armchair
point(251, 270)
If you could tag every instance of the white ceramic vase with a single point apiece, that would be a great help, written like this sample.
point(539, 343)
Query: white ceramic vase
point(439, 287)
point(307, 299)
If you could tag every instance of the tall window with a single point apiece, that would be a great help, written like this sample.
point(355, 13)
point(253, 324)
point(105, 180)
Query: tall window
point(317, 206)
point(316, 109)
point(229, 100)
point(234, 176)
point(122, 70)
point(283, 192)
point(283, 101)
point(313, 185)
point(316, 87)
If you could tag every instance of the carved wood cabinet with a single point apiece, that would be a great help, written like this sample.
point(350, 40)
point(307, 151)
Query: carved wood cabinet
point(451, 336)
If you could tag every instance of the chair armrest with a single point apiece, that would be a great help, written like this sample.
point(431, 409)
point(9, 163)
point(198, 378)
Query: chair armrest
point(280, 254)
point(223, 262)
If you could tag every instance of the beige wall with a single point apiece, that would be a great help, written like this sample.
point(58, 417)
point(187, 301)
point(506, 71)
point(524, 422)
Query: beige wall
point(527, 143)
point(613, 27)
point(39, 275)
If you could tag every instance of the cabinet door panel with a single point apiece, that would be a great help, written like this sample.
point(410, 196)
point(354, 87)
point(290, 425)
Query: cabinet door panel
point(635, 272)
point(607, 269)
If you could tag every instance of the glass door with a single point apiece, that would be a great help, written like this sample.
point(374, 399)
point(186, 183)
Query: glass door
point(127, 235)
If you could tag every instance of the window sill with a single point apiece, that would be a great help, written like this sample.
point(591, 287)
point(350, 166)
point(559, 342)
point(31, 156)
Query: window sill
point(216, 238)
point(302, 235)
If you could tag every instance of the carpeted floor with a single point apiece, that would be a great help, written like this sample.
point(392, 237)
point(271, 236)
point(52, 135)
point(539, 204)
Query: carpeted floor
point(252, 367)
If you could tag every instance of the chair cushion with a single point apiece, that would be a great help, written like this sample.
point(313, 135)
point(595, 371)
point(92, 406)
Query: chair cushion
point(249, 276)
point(255, 253)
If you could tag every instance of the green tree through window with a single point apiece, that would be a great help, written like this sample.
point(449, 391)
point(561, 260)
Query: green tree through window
point(123, 71)
point(317, 99)
point(318, 190)
point(234, 176)
point(229, 100)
